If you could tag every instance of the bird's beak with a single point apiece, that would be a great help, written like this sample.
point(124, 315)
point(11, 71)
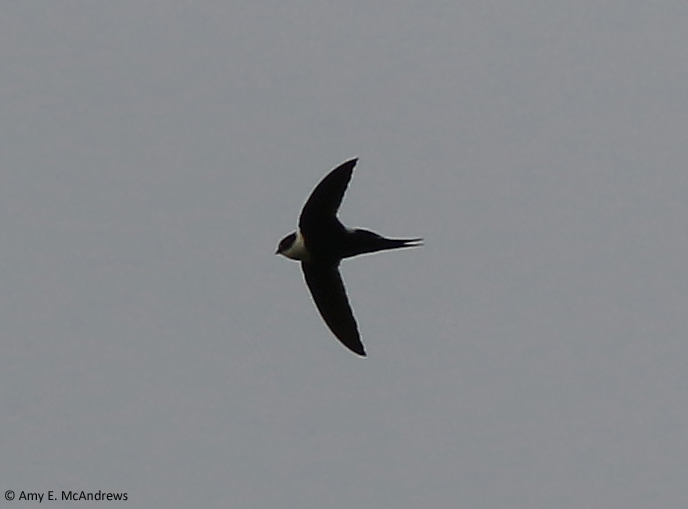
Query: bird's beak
point(277, 252)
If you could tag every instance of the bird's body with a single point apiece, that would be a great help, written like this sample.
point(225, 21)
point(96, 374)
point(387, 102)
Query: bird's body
point(322, 241)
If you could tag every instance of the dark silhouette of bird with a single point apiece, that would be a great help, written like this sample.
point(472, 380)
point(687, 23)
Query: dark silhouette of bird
point(320, 244)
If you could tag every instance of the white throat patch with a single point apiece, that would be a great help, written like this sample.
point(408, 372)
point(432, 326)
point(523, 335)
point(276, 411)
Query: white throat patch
point(298, 251)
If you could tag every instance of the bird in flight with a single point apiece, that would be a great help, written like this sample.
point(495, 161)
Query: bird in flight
point(320, 244)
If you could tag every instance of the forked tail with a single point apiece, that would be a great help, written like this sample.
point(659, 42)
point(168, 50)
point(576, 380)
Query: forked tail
point(397, 243)
point(364, 241)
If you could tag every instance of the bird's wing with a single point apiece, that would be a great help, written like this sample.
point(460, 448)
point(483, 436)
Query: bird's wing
point(327, 289)
point(323, 203)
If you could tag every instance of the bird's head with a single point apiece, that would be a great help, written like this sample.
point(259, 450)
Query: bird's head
point(285, 244)
point(293, 246)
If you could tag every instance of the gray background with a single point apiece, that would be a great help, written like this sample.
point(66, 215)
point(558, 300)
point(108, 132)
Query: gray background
point(532, 355)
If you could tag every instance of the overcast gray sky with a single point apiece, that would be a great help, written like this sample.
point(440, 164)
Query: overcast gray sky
point(532, 355)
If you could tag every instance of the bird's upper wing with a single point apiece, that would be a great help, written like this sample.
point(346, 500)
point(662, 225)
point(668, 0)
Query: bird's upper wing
point(323, 203)
point(327, 289)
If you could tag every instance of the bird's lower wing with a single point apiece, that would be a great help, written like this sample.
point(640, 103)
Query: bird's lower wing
point(327, 288)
